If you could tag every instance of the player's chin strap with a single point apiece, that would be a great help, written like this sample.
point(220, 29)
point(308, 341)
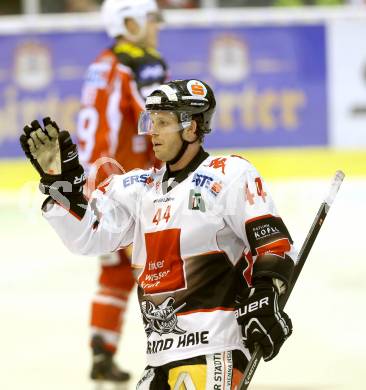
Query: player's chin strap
point(182, 149)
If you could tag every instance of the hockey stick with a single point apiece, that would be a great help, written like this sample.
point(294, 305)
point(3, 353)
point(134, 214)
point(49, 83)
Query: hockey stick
point(303, 254)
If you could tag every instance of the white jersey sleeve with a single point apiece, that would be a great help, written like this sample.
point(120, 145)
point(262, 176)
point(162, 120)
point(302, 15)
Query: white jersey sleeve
point(251, 214)
point(109, 221)
point(247, 198)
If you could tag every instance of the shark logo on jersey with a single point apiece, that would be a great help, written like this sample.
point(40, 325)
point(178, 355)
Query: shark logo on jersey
point(161, 318)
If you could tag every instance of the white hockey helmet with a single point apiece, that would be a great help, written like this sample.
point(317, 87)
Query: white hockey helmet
point(114, 13)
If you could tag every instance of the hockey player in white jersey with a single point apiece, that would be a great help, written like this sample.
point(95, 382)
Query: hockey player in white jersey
point(211, 255)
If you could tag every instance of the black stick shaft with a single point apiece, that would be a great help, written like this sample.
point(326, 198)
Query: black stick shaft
point(303, 254)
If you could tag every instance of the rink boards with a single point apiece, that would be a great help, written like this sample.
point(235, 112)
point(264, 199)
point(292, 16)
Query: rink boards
point(272, 163)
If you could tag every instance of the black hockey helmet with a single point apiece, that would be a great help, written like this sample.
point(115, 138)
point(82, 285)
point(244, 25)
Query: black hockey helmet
point(188, 99)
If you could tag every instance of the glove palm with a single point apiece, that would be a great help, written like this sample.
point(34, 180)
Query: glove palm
point(45, 149)
point(55, 157)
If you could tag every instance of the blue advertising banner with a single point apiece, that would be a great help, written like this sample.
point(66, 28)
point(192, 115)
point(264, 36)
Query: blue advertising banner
point(270, 82)
point(42, 74)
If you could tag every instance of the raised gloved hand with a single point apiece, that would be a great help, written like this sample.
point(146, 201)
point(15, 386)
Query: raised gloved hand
point(262, 321)
point(55, 157)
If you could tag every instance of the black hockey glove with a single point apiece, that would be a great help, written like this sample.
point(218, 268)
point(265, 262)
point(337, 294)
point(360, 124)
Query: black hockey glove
point(262, 321)
point(55, 157)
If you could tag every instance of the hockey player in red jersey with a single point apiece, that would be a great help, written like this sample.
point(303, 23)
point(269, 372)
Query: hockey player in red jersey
point(113, 96)
point(190, 223)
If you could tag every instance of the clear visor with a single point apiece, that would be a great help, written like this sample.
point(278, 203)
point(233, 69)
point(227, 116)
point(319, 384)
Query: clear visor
point(158, 122)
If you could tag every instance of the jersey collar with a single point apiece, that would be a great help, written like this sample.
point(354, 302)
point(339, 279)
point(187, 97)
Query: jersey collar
point(181, 175)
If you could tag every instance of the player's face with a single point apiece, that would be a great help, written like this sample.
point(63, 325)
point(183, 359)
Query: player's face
point(166, 143)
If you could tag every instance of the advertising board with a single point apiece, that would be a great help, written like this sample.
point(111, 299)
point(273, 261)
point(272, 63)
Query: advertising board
point(270, 81)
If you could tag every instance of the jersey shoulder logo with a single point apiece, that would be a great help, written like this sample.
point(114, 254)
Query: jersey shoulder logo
point(218, 163)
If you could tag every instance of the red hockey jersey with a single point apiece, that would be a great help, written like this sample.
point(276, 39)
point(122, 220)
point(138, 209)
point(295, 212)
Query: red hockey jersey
point(113, 96)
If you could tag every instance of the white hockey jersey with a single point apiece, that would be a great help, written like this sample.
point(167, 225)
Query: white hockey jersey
point(189, 235)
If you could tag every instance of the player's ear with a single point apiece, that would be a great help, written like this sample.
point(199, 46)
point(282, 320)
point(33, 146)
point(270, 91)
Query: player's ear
point(190, 133)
